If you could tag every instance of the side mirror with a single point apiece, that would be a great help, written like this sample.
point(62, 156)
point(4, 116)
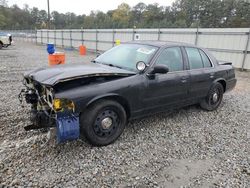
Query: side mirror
point(159, 69)
point(141, 66)
point(98, 54)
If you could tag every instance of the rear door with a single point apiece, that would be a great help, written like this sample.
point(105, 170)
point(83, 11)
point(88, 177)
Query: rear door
point(170, 88)
point(201, 71)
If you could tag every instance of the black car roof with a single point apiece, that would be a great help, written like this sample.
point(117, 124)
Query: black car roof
point(160, 43)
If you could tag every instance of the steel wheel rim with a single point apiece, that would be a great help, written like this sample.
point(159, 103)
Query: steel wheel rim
point(214, 97)
point(106, 123)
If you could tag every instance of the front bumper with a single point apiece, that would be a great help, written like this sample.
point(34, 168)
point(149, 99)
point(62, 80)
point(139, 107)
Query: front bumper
point(66, 122)
point(68, 127)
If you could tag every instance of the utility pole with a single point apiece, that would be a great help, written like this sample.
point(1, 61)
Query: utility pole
point(48, 15)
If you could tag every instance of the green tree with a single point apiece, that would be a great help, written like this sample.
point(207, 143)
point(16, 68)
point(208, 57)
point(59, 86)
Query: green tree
point(121, 16)
point(182, 13)
point(42, 19)
point(137, 14)
point(153, 15)
point(2, 21)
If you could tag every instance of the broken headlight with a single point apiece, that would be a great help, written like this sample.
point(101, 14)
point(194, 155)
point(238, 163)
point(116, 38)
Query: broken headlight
point(63, 104)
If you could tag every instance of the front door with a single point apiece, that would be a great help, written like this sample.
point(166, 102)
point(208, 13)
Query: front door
point(170, 89)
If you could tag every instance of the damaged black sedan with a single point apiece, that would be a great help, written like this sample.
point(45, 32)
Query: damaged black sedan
point(129, 81)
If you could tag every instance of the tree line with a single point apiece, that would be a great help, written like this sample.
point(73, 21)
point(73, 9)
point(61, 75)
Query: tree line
point(182, 13)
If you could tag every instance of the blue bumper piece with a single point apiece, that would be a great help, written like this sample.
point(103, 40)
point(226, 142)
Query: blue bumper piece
point(67, 127)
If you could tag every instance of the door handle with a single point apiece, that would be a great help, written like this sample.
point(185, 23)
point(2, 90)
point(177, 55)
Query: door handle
point(183, 79)
point(212, 75)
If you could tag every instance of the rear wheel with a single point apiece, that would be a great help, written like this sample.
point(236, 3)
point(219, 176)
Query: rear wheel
point(214, 97)
point(103, 122)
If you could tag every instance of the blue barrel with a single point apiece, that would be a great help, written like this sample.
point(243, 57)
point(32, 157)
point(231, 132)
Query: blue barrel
point(50, 48)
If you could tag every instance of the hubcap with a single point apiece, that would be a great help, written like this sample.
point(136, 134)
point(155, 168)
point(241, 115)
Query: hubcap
point(106, 123)
point(215, 97)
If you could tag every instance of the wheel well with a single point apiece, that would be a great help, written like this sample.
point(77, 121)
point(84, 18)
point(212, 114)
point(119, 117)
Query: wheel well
point(1, 42)
point(223, 83)
point(118, 99)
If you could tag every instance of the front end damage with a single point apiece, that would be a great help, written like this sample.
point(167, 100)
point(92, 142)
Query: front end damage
point(49, 112)
point(43, 87)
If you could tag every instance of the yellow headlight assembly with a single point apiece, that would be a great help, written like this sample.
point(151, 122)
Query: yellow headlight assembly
point(63, 104)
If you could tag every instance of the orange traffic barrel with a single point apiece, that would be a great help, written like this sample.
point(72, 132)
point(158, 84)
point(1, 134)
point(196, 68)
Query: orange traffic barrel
point(57, 58)
point(82, 50)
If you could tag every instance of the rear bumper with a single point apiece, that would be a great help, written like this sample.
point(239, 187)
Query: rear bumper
point(9, 42)
point(6, 45)
point(231, 84)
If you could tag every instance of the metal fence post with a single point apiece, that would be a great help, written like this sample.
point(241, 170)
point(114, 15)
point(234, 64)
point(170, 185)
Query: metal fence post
point(70, 35)
point(159, 33)
point(96, 41)
point(133, 34)
point(55, 37)
point(36, 37)
point(196, 36)
point(41, 36)
point(62, 39)
point(82, 36)
point(245, 52)
point(113, 37)
point(47, 36)
point(30, 37)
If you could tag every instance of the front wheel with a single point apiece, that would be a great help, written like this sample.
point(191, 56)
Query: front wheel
point(103, 122)
point(214, 97)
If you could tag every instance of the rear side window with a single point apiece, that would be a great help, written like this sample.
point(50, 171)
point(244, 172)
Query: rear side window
point(205, 59)
point(194, 58)
point(172, 58)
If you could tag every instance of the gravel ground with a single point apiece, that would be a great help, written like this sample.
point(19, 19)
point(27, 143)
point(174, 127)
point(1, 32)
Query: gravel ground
point(185, 148)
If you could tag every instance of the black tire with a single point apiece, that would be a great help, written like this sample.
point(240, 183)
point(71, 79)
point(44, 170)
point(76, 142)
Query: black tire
point(1, 45)
point(103, 122)
point(214, 97)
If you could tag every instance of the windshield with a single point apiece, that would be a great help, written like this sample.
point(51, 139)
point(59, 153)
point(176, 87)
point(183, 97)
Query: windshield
point(127, 55)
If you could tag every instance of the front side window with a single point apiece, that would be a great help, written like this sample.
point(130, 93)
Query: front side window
point(194, 58)
point(127, 55)
point(172, 58)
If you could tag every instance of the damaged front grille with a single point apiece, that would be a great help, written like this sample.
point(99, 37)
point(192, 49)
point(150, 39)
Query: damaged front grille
point(40, 98)
point(48, 97)
point(43, 93)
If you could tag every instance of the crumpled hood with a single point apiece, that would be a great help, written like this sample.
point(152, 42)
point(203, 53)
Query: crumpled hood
point(61, 73)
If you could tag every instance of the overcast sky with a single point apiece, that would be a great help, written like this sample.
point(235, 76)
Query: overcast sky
point(83, 6)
